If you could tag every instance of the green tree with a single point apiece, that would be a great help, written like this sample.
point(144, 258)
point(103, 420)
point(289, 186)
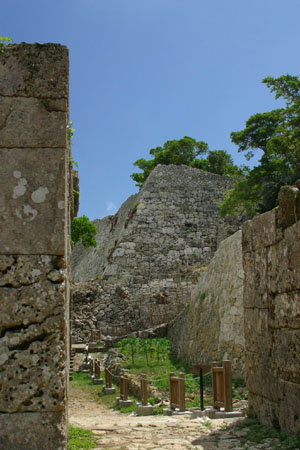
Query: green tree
point(185, 151)
point(277, 134)
point(84, 231)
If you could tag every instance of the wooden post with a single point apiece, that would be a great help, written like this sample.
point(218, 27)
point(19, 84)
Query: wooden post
point(171, 389)
point(97, 369)
point(144, 391)
point(108, 382)
point(228, 385)
point(181, 392)
point(91, 367)
point(123, 388)
point(214, 384)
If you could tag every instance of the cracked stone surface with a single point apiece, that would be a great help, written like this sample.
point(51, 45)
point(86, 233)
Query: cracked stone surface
point(32, 337)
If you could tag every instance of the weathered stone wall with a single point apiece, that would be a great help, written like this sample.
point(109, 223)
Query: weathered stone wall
point(34, 246)
point(211, 327)
point(151, 252)
point(271, 258)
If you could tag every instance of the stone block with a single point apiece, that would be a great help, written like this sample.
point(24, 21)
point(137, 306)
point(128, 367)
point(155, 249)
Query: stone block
point(31, 123)
point(262, 377)
point(35, 70)
point(108, 391)
point(144, 410)
point(32, 201)
point(228, 414)
point(33, 334)
point(289, 406)
point(97, 380)
point(264, 409)
point(247, 236)
point(283, 259)
point(285, 355)
point(255, 281)
point(33, 431)
point(260, 340)
point(264, 230)
point(124, 403)
point(285, 311)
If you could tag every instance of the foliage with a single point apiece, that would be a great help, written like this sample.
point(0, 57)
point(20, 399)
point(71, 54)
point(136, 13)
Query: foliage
point(4, 40)
point(185, 151)
point(79, 439)
point(84, 231)
point(277, 135)
point(147, 347)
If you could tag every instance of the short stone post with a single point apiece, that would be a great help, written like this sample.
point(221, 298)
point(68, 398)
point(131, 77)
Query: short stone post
point(144, 408)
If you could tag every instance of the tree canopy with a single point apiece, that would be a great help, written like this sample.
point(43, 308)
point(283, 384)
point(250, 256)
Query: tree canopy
point(189, 152)
point(277, 134)
point(84, 231)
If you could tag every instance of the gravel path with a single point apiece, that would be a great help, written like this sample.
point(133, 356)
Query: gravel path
point(115, 431)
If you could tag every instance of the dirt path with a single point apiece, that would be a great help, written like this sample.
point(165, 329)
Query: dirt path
point(117, 431)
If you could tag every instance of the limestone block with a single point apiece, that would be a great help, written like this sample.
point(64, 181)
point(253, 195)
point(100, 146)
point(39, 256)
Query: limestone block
point(33, 431)
point(32, 201)
point(33, 336)
point(260, 341)
point(264, 409)
point(289, 411)
point(264, 230)
point(286, 352)
point(262, 378)
point(285, 309)
point(255, 287)
point(283, 263)
point(34, 70)
point(30, 122)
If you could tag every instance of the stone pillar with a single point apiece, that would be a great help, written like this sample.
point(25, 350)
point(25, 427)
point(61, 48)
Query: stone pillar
point(34, 246)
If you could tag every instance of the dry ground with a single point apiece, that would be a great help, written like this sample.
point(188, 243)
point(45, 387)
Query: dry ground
point(116, 431)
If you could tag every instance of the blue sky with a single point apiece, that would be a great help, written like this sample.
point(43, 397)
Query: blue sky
point(146, 71)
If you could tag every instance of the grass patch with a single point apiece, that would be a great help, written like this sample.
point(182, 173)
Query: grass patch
point(158, 375)
point(80, 439)
point(258, 433)
point(82, 381)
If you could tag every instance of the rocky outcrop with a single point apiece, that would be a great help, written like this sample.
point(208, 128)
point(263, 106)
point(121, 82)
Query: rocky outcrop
point(150, 254)
point(211, 327)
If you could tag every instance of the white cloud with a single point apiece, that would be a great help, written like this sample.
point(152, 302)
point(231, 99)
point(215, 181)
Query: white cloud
point(111, 207)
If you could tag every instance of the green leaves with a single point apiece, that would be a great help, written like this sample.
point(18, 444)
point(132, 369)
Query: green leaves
point(4, 40)
point(185, 151)
point(84, 231)
point(147, 347)
point(277, 134)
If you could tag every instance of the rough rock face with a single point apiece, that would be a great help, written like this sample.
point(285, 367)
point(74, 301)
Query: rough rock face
point(151, 252)
point(271, 259)
point(211, 327)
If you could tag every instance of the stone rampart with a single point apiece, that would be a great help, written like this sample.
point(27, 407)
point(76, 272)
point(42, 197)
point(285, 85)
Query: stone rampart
point(151, 252)
point(211, 327)
point(34, 246)
point(271, 258)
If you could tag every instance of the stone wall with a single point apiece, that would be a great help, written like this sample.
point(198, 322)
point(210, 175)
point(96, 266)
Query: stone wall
point(211, 326)
point(271, 258)
point(150, 253)
point(34, 246)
